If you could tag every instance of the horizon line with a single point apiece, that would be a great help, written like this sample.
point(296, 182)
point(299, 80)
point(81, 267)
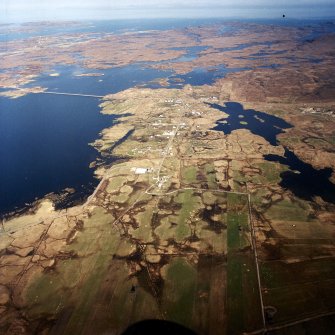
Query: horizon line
point(87, 19)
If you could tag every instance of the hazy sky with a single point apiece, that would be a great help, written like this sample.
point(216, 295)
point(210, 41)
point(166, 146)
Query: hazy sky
point(14, 10)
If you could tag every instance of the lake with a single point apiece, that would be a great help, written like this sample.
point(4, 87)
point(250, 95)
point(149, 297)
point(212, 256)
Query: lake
point(303, 180)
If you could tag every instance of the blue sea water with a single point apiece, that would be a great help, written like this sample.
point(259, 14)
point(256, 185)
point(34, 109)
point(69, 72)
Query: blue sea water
point(111, 80)
point(44, 145)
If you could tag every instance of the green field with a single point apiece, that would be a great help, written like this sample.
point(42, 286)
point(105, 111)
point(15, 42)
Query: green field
point(300, 289)
point(298, 272)
point(184, 257)
point(243, 299)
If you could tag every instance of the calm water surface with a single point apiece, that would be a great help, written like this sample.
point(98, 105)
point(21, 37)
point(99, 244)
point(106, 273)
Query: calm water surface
point(259, 123)
point(44, 145)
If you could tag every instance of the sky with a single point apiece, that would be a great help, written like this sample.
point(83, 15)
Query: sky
point(35, 10)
